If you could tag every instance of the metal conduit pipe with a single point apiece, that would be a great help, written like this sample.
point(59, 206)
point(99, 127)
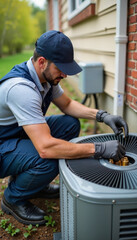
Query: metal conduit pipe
point(120, 60)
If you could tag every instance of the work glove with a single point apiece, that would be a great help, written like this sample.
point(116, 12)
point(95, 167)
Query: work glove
point(117, 123)
point(109, 149)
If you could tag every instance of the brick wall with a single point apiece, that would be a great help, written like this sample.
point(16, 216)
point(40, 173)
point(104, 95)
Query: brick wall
point(131, 79)
point(50, 14)
point(86, 13)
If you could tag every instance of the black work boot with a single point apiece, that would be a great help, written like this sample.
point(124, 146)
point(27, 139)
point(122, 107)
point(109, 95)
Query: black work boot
point(26, 213)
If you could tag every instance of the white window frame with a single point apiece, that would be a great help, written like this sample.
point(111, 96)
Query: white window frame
point(79, 7)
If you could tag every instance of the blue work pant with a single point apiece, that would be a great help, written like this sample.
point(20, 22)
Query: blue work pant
point(32, 172)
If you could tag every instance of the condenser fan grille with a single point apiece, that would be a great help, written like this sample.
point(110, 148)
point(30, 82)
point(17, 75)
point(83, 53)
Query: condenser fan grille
point(94, 171)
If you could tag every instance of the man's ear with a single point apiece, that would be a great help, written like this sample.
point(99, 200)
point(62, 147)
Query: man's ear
point(42, 62)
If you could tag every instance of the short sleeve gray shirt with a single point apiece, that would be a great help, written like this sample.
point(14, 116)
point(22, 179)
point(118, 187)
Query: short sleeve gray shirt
point(21, 99)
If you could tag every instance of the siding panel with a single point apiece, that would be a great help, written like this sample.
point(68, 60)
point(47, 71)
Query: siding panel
point(94, 38)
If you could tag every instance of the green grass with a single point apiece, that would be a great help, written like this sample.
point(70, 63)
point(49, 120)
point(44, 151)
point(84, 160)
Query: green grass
point(6, 63)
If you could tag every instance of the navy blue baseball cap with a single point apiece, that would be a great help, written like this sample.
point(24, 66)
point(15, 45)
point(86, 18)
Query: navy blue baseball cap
point(57, 47)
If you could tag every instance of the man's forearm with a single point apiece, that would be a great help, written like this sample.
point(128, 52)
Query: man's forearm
point(79, 110)
point(60, 149)
point(50, 147)
point(54, 148)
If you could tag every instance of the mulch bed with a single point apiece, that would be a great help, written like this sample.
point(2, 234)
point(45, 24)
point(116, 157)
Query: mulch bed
point(42, 232)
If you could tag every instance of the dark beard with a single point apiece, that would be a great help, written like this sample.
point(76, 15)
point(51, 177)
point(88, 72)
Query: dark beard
point(48, 78)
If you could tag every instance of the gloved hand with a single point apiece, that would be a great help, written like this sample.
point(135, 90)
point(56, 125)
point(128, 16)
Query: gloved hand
point(117, 123)
point(110, 149)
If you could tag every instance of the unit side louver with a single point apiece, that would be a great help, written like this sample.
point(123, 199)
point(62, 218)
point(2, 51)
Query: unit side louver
point(128, 224)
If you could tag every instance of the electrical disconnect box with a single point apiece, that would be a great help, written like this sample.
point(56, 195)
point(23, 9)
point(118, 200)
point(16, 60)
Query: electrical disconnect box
point(91, 78)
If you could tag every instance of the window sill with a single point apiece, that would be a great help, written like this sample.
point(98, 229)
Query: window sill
point(83, 15)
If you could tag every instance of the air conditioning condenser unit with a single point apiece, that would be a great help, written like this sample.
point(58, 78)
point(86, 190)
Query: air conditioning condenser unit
point(98, 199)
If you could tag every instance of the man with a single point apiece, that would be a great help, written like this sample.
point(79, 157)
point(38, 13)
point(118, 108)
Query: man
point(30, 143)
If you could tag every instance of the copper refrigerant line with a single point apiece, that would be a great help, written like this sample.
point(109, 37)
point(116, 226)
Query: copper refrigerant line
point(122, 162)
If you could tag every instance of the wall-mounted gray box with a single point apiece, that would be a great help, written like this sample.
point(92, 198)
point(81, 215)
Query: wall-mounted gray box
point(91, 78)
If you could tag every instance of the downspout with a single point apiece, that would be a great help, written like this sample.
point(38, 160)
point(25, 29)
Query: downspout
point(121, 45)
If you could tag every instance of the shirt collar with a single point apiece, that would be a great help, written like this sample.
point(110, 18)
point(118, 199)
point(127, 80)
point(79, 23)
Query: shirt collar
point(35, 76)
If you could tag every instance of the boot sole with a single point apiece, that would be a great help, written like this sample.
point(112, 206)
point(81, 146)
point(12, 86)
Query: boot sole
point(9, 211)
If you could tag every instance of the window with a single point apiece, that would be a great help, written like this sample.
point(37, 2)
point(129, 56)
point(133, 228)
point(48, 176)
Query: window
point(76, 6)
point(73, 5)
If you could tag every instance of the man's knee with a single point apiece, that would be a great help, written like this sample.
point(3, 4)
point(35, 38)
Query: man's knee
point(63, 126)
point(45, 166)
point(72, 126)
point(75, 123)
point(53, 166)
